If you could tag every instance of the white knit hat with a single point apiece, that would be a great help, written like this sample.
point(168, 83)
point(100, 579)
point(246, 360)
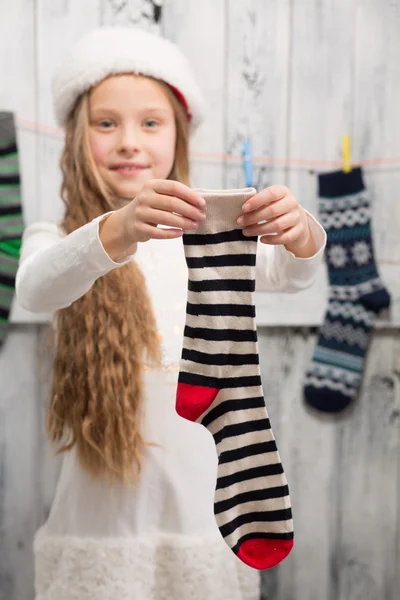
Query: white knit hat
point(115, 50)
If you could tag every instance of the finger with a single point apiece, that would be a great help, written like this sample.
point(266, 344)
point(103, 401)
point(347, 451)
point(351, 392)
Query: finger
point(172, 204)
point(178, 189)
point(265, 197)
point(158, 233)
point(277, 225)
point(168, 219)
point(286, 237)
point(272, 211)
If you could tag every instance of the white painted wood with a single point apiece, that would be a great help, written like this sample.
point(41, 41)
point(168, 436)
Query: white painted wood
point(368, 463)
point(58, 25)
point(343, 475)
point(342, 472)
point(199, 30)
point(48, 473)
point(318, 114)
point(344, 79)
point(185, 25)
point(257, 85)
point(145, 13)
point(366, 555)
point(376, 115)
point(18, 89)
point(18, 94)
point(19, 465)
point(306, 442)
point(289, 309)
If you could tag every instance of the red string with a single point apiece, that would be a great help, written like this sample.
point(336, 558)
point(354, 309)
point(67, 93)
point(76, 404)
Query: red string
point(268, 160)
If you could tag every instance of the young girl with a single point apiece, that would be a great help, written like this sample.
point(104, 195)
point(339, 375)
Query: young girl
point(132, 517)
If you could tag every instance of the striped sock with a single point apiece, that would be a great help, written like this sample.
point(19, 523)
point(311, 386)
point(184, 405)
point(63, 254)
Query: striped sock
point(220, 387)
point(11, 224)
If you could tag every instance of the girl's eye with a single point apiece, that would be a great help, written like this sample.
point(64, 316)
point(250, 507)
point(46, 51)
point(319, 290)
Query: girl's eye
point(106, 124)
point(150, 123)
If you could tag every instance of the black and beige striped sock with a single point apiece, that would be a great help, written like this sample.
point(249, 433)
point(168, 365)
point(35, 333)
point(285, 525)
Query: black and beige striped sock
point(11, 223)
point(220, 386)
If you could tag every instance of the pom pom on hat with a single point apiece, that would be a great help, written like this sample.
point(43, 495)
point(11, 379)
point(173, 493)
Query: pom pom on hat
point(116, 50)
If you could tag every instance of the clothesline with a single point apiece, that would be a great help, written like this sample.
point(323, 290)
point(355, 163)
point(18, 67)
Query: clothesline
point(25, 125)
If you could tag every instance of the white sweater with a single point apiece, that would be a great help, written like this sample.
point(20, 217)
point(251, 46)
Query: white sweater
point(101, 543)
point(55, 270)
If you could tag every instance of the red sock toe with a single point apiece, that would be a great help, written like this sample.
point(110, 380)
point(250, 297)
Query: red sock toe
point(193, 400)
point(263, 553)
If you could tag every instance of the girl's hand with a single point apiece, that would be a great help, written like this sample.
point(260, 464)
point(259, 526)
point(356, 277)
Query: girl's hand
point(160, 202)
point(275, 215)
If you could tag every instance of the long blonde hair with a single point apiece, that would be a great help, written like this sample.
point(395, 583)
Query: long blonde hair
point(104, 337)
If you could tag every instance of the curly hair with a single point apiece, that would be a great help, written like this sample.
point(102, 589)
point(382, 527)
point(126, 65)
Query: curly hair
point(104, 338)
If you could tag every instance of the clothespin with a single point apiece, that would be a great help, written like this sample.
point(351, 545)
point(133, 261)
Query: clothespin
point(346, 153)
point(247, 164)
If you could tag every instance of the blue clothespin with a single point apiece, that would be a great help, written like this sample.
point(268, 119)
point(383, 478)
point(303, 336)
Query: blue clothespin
point(247, 164)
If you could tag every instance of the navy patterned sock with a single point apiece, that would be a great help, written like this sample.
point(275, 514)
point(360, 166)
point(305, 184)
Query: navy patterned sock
point(356, 292)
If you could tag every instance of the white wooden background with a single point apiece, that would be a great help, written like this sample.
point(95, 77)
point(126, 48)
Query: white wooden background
point(293, 76)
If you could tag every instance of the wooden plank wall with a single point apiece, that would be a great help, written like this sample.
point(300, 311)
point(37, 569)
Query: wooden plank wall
point(293, 76)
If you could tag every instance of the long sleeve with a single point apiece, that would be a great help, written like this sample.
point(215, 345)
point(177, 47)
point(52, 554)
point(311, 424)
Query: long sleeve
point(280, 271)
point(56, 270)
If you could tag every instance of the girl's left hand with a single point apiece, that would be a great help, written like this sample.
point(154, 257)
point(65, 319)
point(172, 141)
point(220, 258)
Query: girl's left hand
point(275, 215)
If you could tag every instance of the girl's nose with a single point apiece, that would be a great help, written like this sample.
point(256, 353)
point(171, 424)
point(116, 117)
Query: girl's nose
point(130, 140)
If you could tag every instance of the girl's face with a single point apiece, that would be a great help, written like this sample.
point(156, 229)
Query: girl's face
point(132, 132)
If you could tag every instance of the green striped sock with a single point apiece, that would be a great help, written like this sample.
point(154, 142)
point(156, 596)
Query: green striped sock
point(11, 221)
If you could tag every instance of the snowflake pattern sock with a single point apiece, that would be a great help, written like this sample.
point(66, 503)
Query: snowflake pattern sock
point(220, 384)
point(356, 293)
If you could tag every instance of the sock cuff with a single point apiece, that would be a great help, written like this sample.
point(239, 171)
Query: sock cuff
point(339, 183)
point(223, 208)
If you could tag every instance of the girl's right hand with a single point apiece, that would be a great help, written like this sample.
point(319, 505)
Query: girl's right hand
point(160, 202)
point(165, 203)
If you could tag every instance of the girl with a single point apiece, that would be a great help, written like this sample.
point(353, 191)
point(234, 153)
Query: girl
point(132, 517)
